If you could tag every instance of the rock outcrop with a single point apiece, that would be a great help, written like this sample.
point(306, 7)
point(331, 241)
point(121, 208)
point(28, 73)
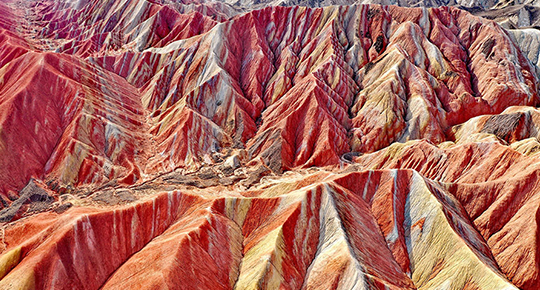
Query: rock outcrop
point(157, 144)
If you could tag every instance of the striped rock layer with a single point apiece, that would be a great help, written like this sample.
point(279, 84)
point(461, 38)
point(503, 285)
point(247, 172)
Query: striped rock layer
point(167, 145)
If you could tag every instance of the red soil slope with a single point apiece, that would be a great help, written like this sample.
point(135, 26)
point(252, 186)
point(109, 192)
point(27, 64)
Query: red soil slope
point(167, 145)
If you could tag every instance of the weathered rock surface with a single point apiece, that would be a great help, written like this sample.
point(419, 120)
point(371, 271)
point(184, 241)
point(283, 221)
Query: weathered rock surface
point(495, 184)
point(167, 145)
point(480, 6)
point(329, 234)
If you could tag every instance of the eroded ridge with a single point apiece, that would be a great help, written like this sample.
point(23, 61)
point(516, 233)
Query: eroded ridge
point(148, 144)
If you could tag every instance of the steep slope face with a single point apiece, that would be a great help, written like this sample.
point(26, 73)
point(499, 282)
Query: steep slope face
point(68, 120)
point(520, 18)
point(512, 125)
point(496, 186)
point(326, 235)
point(477, 4)
point(528, 40)
point(518, 11)
point(159, 144)
point(87, 28)
point(433, 68)
point(514, 14)
point(521, 21)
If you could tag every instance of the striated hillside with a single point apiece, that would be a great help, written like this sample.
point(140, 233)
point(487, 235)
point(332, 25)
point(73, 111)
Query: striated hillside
point(479, 6)
point(187, 145)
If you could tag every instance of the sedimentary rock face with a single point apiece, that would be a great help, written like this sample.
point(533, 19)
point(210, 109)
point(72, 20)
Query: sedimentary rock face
point(157, 144)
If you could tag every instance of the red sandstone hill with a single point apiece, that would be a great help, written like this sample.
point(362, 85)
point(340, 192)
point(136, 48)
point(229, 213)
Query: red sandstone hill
point(185, 145)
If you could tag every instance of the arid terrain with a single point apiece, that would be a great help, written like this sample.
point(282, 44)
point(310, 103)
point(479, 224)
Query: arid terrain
point(262, 145)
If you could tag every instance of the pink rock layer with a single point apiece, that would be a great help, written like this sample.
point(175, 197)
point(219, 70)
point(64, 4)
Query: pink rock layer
point(363, 146)
point(298, 88)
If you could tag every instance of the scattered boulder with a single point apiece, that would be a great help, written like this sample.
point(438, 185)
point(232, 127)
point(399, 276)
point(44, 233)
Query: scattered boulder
point(32, 194)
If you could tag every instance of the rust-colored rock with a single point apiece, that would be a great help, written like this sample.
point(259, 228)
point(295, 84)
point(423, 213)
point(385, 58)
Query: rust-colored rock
point(167, 145)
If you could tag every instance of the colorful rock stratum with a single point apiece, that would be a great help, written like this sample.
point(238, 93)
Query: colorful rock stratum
point(189, 145)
